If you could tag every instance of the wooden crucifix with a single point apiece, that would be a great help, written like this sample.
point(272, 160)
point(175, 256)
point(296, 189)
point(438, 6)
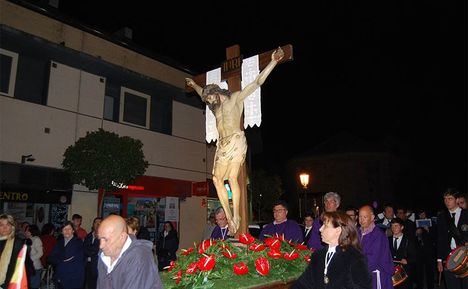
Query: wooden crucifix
point(225, 108)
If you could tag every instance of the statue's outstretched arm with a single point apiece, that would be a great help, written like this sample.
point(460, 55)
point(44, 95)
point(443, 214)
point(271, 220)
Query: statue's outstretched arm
point(193, 85)
point(276, 56)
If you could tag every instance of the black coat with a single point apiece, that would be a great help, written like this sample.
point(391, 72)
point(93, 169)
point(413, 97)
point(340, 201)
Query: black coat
point(406, 250)
point(91, 251)
point(445, 233)
point(167, 248)
point(306, 237)
point(347, 269)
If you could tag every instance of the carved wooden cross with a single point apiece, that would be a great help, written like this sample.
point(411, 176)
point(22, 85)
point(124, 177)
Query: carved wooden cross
point(231, 72)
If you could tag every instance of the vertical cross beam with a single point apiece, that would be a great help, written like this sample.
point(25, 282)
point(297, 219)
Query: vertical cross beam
point(233, 77)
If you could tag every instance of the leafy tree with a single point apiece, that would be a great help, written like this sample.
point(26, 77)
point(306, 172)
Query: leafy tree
point(103, 157)
point(265, 190)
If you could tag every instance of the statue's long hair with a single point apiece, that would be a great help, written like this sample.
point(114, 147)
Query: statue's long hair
point(213, 89)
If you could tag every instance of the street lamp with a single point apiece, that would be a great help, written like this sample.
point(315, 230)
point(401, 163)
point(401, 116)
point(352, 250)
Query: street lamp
point(304, 178)
point(27, 158)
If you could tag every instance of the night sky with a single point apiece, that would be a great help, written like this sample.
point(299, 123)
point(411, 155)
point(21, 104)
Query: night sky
point(383, 71)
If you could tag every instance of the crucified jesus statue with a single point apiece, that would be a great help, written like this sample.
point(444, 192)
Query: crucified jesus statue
point(231, 147)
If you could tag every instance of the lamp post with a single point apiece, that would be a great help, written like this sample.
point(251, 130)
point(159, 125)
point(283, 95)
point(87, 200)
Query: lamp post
point(304, 178)
point(27, 158)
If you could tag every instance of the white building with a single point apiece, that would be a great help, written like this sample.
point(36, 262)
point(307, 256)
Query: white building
point(59, 81)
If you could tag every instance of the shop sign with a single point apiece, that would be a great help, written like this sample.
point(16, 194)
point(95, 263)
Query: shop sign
point(48, 197)
point(14, 196)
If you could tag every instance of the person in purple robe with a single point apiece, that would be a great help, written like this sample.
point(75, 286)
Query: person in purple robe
point(331, 201)
point(281, 225)
point(221, 231)
point(375, 246)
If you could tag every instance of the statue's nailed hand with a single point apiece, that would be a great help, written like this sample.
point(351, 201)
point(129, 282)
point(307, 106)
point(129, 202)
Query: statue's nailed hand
point(189, 82)
point(278, 54)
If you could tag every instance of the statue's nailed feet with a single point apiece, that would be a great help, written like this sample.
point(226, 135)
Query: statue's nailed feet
point(232, 227)
point(236, 221)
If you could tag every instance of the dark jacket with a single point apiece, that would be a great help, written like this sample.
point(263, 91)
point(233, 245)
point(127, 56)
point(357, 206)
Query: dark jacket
point(347, 269)
point(135, 269)
point(445, 232)
point(69, 262)
point(306, 237)
point(167, 248)
point(406, 250)
point(425, 244)
point(91, 251)
point(143, 233)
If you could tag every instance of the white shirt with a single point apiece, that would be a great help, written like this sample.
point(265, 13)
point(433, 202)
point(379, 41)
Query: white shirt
point(66, 240)
point(331, 252)
point(224, 231)
point(398, 241)
point(386, 221)
point(457, 212)
point(277, 223)
point(107, 260)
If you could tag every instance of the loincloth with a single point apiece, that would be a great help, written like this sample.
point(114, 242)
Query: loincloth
point(231, 149)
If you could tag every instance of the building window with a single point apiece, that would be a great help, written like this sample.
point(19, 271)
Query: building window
point(135, 107)
point(8, 67)
point(108, 107)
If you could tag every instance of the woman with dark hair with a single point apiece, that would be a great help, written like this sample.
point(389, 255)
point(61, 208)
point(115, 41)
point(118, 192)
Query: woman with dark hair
point(36, 252)
point(167, 245)
point(340, 264)
point(67, 256)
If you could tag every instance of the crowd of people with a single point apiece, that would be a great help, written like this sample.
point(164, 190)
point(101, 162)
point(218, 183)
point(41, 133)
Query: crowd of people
point(396, 240)
point(353, 248)
point(81, 260)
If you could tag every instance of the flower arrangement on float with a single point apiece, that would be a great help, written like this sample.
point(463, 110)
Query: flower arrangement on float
point(253, 261)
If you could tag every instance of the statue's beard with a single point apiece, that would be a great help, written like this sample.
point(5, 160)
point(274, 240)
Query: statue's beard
point(214, 105)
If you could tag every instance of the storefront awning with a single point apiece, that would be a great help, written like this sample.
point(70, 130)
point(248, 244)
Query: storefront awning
point(34, 184)
point(158, 187)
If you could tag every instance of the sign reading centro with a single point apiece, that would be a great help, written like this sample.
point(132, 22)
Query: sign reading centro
point(14, 196)
point(48, 197)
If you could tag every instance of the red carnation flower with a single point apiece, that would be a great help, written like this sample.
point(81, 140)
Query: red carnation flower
point(291, 256)
point(186, 252)
point(257, 247)
point(275, 254)
point(262, 266)
point(273, 243)
point(227, 253)
point(206, 263)
point(205, 245)
point(301, 247)
point(240, 268)
point(192, 268)
point(178, 277)
point(171, 266)
point(246, 238)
